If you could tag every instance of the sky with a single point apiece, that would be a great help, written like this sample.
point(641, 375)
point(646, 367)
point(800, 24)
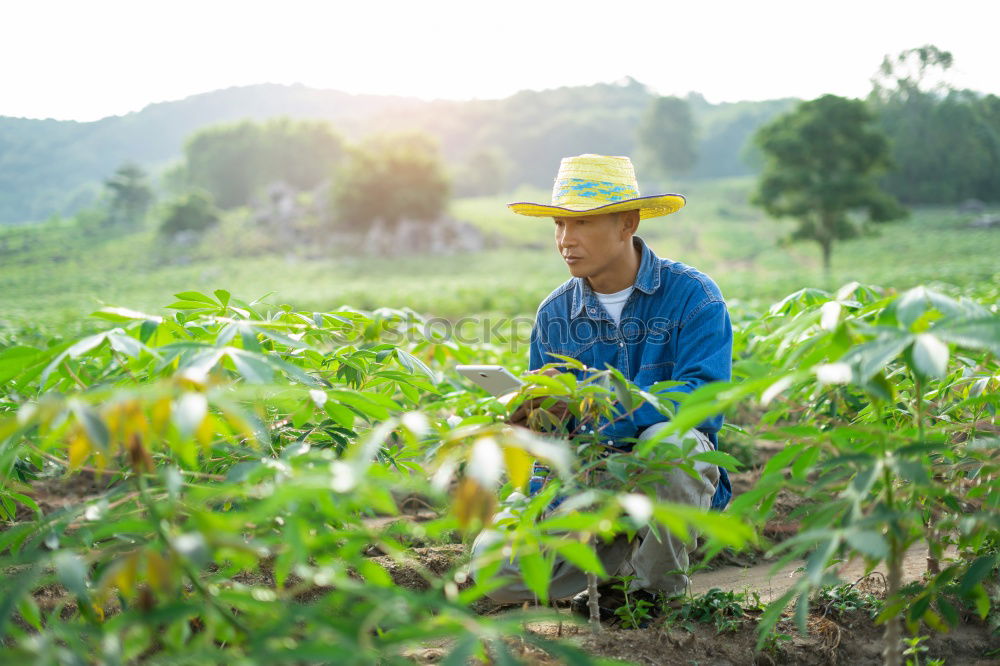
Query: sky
point(74, 60)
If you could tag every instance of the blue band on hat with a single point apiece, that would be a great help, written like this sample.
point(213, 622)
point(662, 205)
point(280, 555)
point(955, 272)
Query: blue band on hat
point(593, 189)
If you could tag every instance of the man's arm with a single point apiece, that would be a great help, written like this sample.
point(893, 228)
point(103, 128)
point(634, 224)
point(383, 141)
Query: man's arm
point(704, 354)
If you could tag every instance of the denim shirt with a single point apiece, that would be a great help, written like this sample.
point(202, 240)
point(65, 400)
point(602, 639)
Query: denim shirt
point(674, 326)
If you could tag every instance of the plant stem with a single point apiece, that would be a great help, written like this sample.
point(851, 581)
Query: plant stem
point(919, 387)
point(593, 596)
point(72, 374)
point(892, 651)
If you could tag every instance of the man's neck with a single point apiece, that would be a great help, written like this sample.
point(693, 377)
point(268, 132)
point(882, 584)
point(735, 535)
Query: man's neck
point(621, 276)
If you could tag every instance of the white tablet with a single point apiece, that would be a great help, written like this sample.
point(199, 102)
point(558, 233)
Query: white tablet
point(494, 378)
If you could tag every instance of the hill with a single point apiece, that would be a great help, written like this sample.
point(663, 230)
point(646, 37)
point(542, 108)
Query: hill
point(50, 167)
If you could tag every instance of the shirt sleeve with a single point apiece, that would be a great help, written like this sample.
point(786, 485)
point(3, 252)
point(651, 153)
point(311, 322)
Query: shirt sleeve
point(535, 352)
point(704, 354)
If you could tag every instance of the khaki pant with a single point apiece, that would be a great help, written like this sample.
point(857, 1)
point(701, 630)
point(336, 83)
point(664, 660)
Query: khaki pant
point(657, 564)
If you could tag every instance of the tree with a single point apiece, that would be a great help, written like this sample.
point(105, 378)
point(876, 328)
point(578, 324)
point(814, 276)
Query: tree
point(193, 211)
point(666, 137)
point(912, 73)
point(945, 142)
point(233, 162)
point(131, 195)
point(822, 162)
point(391, 177)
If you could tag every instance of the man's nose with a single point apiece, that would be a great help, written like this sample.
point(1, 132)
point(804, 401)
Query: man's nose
point(566, 237)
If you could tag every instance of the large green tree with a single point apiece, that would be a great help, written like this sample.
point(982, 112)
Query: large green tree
point(822, 163)
point(666, 138)
point(391, 177)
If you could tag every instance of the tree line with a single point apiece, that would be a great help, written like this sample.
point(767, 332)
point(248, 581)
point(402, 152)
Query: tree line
point(387, 177)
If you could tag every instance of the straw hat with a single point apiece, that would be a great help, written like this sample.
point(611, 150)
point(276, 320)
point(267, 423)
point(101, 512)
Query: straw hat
point(591, 184)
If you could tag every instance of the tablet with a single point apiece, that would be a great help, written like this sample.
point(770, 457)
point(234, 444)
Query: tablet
point(494, 378)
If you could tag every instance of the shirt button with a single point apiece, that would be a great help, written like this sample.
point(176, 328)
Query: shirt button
point(621, 344)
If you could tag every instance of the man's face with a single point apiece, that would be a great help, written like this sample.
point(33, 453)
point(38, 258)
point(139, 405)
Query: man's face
point(590, 244)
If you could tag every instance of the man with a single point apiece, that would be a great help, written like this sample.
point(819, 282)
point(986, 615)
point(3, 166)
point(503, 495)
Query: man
point(654, 320)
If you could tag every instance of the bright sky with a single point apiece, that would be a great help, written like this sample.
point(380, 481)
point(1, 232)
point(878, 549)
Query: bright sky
point(79, 60)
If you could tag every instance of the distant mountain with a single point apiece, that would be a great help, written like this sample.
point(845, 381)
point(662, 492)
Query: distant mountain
point(56, 167)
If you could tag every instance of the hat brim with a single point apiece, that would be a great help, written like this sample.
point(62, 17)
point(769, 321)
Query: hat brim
point(653, 206)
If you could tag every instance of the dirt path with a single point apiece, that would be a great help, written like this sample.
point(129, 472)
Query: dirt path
point(772, 585)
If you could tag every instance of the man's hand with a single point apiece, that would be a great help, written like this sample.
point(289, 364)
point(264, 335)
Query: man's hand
point(520, 416)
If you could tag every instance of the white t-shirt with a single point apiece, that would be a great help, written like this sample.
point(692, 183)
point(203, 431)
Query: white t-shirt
point(614, 303)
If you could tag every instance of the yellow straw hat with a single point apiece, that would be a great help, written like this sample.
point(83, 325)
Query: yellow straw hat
point(590, 184)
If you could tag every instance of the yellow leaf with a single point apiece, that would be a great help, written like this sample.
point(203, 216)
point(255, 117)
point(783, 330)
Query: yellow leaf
point(79, 449)
point(205, 433)
point(136, 419)
point(518, 464)
point(100, 461)
point(157, 571)
point(161, 414)
point(125, 575)
point(473, 502)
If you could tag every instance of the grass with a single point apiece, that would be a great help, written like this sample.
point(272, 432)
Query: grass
point(52, 275)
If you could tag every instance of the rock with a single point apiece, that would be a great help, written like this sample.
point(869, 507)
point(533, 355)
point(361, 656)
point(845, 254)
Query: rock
point(985, 222)
point(971, 206)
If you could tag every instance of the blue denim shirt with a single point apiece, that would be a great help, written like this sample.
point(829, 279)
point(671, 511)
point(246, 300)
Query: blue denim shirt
point(674, 326)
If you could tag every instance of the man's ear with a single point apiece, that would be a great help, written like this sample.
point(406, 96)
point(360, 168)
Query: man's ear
point(630, 222)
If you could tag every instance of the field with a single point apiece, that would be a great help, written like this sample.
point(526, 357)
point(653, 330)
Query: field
point(54, 276)
point(195, 476)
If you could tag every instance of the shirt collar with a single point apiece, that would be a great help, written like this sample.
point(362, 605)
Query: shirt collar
point(647, 280)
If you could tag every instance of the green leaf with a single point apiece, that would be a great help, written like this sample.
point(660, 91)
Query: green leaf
point(195, 296)
point(191, 305)
point(720, 458)
point(463, 651)
point(913, 303)
point(622, 393)
point(873, 356)
point(72, 572)
point(93, 424)
point(15, 589)
point(375, 574)
point(972, 333)
point(868, 542)
point(124, 314)
point(930, 356)
point(580, 555)
point(254, 367)
point(221, 294)
point(782, 459)
point(125, 344)
point(948, 611)
point(976, 572)
point(536, 571)
point(16, 359)
point(414, 364)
